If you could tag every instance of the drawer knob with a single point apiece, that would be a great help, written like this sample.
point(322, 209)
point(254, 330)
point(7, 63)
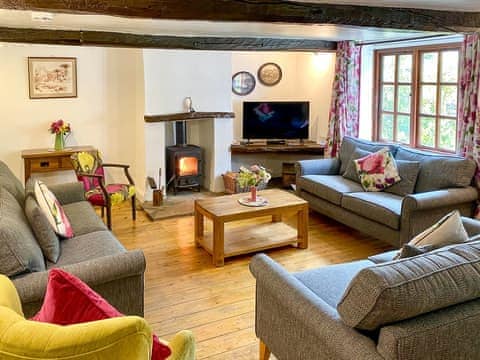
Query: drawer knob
point(44, 164)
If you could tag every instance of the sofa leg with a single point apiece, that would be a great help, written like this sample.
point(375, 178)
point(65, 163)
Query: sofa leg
point(264, 351)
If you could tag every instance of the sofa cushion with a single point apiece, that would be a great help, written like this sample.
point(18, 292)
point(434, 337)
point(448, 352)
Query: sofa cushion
point(19, 250)
point(329, 282)
point(351, 171)
point(349, 144)
point(377, 171)
point(438, 171)
point(86, 247)
point(328, 187)
point(402, 289)
point(83, 218)
point(46, 237)
point(408, 171)
point(11, 183)
point(382, 207)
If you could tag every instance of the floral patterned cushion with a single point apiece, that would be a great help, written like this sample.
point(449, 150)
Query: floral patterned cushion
point(118, 193)
point(377, 171)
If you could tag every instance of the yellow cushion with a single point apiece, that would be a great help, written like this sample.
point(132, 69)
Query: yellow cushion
point(126, 337)
point(9, 296)
point(182, 346)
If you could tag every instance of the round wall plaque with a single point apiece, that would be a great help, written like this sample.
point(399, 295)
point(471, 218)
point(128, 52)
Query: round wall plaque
point(269, 74)
point(243, 83)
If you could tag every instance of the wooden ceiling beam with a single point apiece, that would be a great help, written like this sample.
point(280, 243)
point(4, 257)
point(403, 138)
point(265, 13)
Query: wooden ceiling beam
point(272, 11)
point(114, 39)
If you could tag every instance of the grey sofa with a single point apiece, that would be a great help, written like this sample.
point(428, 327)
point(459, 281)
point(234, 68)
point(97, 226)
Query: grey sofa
point(440, 184)
point(424, 307)
point(93, 254)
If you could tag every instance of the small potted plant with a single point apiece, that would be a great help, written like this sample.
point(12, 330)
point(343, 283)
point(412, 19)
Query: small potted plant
point(253, 177)
point(61, 129)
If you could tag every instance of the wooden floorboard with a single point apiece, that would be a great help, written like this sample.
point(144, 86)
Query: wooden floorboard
point(185, 291)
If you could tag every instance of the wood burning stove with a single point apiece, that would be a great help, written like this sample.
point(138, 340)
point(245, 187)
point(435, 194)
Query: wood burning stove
point(184, 162)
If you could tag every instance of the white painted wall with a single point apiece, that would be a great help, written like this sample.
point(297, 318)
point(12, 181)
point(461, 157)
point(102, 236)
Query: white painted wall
point(172, 75)
point(102, 115)
point(306, 77)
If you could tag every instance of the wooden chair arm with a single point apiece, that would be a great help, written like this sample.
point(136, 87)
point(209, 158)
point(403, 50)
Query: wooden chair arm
point(125, 169)
point(90, 175)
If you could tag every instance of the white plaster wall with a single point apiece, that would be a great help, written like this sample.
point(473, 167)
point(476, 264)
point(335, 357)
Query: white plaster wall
point(306, 77)
point(172, 75)
point(102, 115)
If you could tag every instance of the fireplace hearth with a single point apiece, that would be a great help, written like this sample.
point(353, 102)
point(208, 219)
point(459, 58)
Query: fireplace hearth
point(184, 162)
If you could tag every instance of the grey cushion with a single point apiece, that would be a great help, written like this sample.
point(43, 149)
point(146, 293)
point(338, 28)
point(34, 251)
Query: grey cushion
point(83, 218)
point(408, 250)
point(382, 207)
point(43, 230)
point(351, 171)
point(19, 251)
point(439, 171)
point(329, 282)
point(399, 290)
point(11, 183)
point(328, 187)
point(408, 171)
point(349, 144)
point(87, 247)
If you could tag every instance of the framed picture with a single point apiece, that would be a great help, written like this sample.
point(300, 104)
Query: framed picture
point(269, 74)
point(52, 77)
point(243, 83)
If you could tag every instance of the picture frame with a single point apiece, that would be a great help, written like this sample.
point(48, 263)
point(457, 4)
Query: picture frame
point(52, 77)
point(243, 83)
point(270, 74)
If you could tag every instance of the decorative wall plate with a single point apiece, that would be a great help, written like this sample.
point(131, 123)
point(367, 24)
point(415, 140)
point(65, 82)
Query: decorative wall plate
point(243, 83)
point(270, 74)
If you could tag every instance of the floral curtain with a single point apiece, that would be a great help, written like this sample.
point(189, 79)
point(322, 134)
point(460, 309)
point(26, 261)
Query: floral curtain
point(468, 108)
point(344, 109)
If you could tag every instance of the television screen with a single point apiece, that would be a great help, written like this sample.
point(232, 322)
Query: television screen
point(276, 119)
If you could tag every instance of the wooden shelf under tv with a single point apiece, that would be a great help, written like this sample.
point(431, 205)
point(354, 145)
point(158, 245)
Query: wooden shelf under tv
point(306, 148)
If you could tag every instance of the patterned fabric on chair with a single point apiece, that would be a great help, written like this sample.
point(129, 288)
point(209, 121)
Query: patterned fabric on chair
point(90, 171)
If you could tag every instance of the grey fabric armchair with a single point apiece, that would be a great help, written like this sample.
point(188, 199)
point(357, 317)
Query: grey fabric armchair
point(304, 316)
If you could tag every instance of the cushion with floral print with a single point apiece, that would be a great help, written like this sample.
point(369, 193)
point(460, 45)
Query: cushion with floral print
point(377, 171)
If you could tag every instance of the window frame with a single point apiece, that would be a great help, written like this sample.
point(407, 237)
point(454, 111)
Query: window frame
point(415, 114)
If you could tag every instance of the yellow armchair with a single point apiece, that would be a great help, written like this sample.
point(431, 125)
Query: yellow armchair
point(128, 337)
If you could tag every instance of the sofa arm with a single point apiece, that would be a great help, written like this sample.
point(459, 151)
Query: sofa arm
point(69, 192)
point(439, 198)
point(472, 226)
point(306, 311)
point(329, 166)
point(118, 278)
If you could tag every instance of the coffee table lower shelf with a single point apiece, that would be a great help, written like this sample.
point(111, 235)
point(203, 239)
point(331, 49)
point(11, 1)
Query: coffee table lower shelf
point(252, 238)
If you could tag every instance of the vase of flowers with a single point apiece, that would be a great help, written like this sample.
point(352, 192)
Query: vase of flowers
point(252, 177)
point(61, 129)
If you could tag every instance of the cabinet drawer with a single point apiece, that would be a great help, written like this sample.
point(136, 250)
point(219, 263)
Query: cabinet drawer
point(66, 163)
point(47, 164)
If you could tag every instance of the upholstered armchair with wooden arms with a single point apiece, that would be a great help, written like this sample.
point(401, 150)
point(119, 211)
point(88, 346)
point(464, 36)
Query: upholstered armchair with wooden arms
point(90, 171)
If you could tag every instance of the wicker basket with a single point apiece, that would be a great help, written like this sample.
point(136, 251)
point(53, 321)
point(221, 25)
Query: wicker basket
point(231, 184)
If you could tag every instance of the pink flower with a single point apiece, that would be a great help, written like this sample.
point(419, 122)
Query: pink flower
point(372, 164)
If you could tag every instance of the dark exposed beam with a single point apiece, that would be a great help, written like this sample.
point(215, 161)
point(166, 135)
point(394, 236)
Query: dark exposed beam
point(263, 11)
point(99, 38)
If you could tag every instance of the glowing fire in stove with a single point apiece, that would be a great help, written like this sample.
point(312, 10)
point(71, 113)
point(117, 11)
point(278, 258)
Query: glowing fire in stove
point(187, 166)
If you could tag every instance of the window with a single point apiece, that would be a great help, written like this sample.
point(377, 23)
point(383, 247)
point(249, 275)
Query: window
point(416, 96)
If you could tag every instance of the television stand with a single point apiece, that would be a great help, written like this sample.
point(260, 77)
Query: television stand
point(276, 142)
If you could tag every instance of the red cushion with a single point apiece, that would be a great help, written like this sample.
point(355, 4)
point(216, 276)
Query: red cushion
point(69, 300)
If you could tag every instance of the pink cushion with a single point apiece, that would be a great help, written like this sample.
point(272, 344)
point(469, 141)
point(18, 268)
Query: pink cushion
point(122, 192)
point(53, 210)
point(69, 300)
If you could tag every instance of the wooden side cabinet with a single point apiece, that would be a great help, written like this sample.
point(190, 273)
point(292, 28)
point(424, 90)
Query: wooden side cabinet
point(48, 160)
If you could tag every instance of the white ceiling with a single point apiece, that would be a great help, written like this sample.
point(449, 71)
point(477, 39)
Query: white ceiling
point(23, 19)
point(454, 5)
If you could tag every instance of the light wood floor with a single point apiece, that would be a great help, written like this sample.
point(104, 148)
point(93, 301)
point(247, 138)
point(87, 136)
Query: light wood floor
point(185, 291)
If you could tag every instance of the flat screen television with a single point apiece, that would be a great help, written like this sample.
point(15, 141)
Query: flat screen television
point(276, 119)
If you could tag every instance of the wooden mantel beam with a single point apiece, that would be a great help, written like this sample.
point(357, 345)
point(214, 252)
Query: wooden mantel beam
point(114, 39)
point(273, 11)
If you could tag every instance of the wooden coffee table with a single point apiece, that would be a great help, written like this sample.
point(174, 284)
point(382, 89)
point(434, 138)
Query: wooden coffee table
point(250, 238)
